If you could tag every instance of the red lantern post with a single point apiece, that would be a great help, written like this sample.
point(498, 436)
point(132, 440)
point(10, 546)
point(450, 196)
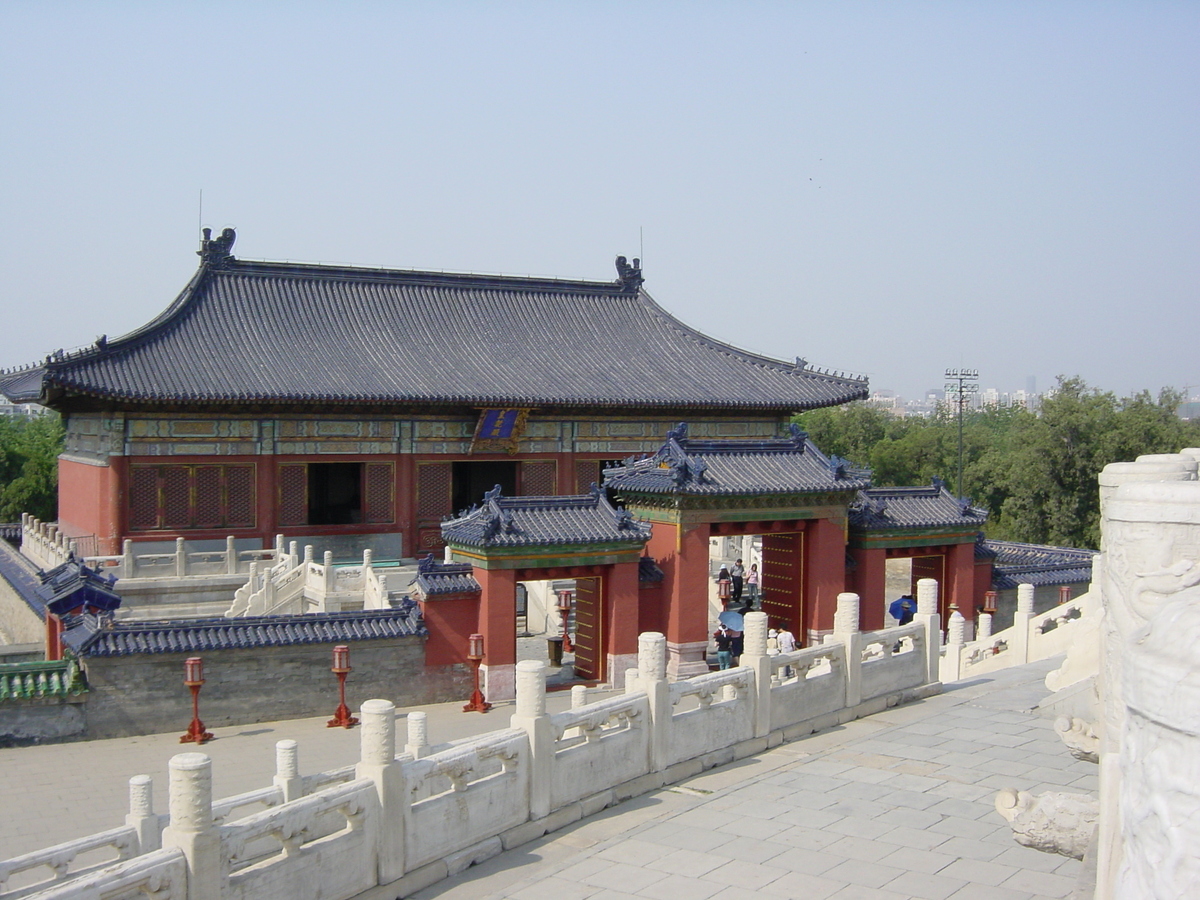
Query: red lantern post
point(989, 601)
point(193, 677)
point(341, 668)
point(564, 610)
point(475, 657)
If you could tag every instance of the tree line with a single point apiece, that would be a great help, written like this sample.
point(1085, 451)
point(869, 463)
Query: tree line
point(1034, 472)
point(29, 448)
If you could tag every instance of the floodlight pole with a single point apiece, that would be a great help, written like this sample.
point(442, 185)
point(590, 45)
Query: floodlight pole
point(964, 383)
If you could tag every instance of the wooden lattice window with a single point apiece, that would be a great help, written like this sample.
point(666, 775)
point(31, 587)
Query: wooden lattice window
point(434, 482)
point(182, 497)
point(378, 493)
point(538, 478)
point(293, 494)
point(587, 473)
point(143, 497)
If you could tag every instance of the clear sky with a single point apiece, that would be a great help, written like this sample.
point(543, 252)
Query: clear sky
point(883, 188)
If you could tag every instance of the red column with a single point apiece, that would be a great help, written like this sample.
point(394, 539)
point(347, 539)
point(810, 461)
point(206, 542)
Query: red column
point(682, 553)
point(498, 616)
point(621, 608)
point(54, 631)
point(825, 574)
point(870, 583)
point(960, 578)
point(406, 516)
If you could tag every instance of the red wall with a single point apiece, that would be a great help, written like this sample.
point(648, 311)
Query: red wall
point(89, 502)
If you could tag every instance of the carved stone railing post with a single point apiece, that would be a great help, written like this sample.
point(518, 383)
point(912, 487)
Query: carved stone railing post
point(128, 560)
point(141, 813)
point(328, 560)
point(652, 678)
point(631, 681)
point(417, 745)
point(192, 829)
point(377, 726)
point(952, 659)
point(927, 615)
point(531, 718)
point(1022, 622)
point(180, 557)
point(755, 656)
point(231, 556)
point(984, 628)
point(287, 770)
point(846, 631)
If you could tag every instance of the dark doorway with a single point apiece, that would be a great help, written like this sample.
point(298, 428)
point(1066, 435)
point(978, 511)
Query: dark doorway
point(473, 479)
point(334, 493)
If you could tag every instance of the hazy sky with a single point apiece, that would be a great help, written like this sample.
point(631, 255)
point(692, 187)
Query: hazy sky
point(883, 188)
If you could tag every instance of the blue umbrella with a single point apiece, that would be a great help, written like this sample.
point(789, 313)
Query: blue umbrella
point(732, 620)
point(901, 605)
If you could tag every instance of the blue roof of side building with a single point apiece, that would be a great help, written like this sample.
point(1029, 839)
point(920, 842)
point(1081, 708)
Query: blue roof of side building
point(925, 506)
point(285, 333)
point(791, 465)
point(23, 578)
point(1038, 564)
point(91, 636)
point(435, 577)
point(541, 521)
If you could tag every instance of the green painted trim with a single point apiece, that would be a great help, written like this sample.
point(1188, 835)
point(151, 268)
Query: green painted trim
point(912, 537)
point(545, 557)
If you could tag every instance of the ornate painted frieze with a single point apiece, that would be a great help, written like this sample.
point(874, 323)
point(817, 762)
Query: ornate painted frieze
point(96, 436)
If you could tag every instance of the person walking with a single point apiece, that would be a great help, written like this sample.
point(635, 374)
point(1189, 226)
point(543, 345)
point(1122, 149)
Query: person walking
point(724, 640)
point(787, 643)
point(752, 585)
point(739, 577)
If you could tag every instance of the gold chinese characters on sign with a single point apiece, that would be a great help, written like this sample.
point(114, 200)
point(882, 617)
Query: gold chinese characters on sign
point(499, 430)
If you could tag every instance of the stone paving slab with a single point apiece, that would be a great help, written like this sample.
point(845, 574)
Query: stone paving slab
point(865, 810)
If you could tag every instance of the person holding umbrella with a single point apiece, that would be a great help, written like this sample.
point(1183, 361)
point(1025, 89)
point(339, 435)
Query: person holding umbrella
point(903, 609)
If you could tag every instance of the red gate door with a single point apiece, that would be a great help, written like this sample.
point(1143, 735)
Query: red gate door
point(589, 641)
point(783, 581)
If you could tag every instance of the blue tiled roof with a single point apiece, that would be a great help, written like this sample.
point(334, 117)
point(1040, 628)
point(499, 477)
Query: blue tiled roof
point(435, 577)
point(1038, 564)
point(930, 506)
point(285, 333)
point(90, 635)
point(72, 584)
point(790, 465)
point(544, 521)
point(24, 582)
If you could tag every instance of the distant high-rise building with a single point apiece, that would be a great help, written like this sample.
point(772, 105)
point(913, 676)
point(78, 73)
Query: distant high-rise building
point(1030, 385)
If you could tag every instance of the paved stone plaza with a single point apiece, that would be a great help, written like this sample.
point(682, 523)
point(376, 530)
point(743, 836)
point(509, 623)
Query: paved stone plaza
point(895, 805)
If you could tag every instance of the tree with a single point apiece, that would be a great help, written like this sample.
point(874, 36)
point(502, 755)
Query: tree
point(1034, 473)
point(29, 451)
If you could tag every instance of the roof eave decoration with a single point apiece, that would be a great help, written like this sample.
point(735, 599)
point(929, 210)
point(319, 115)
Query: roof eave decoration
point(629, 277)
point(217, 252)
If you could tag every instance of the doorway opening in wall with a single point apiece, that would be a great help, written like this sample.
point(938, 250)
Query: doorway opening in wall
point(898, 582)
point(334, 493)
point(471, 480)
point(581, 657)
point(772, 574)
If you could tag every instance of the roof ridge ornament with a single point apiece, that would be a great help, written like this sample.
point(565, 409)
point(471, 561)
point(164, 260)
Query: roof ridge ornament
point(629, 276)
point(216, 251)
